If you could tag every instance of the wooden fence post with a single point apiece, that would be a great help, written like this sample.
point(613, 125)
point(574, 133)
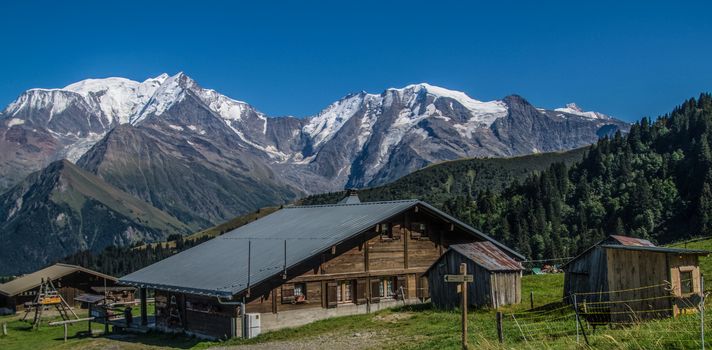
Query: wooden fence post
point(702, 310)
point(578, 322)
point(500, 334)
point(531, 299)
point(463, 271)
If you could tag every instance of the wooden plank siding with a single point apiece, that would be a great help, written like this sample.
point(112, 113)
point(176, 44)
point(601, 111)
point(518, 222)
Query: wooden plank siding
point(637, 285)
point(368, 258)
point(628, 285)
point(489, 289)
point(588, 274)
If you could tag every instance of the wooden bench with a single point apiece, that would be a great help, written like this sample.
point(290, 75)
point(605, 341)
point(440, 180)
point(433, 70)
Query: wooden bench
point(67, 322)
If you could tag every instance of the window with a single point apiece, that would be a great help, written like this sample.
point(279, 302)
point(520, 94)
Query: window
point(300, 290)
point(294, 293)
point(344, 291)
point(388, 232)
point(418, 230)
point(388, 287)
point(385, 230)
point(686, 282)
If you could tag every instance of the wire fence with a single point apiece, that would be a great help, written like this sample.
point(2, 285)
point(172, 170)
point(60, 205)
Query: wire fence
point(656, 316)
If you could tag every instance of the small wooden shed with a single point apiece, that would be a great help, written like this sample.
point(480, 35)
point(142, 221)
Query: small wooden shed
point(497, 276)
point(631, 278)
point(70, 280)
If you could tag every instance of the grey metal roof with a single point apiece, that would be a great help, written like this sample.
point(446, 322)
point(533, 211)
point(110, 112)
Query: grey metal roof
point(218, 267)
point(488, 256)
point(350, 199)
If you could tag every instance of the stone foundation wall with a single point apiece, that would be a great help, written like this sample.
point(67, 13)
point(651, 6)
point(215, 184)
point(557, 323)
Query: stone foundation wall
point(295, 318)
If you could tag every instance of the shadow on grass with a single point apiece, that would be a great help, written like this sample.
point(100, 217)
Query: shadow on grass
point(548, 307)
point(414, 308)
point(154, 338)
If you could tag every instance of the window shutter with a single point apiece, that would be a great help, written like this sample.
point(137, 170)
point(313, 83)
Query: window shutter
point(360, 292)
point(375, 291)
point(401, 283)
point(331, 297)
point(396, 233)
point(287, 293)
point(424, 292)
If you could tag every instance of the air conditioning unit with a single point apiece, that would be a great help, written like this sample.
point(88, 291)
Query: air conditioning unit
point(253, 326)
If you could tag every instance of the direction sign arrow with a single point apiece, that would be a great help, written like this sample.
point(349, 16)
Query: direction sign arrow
point(459, 278)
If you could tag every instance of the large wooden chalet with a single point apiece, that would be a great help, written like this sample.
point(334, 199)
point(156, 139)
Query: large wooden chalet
point(301, 264)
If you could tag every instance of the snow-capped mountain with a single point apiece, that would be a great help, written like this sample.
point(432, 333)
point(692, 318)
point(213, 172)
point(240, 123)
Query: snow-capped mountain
point(572, 108)
point(124, 130)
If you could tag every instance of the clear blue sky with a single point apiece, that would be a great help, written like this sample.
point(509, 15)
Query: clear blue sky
point(624, 58)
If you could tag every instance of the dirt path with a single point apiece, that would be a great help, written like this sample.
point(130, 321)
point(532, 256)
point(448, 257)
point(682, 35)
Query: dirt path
point(366, 339)
point(339, 341)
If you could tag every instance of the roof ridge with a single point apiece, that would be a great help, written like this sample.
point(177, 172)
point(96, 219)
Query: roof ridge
point(352, 204)
point(62, 264)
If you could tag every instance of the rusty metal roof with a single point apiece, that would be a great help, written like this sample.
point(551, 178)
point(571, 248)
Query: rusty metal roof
point(680, 251)
point(632, 241)
point(488, 256)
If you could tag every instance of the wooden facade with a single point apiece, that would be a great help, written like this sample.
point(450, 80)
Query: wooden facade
point(75, 282)
point(620, 283)
point(380, 267)
point(494, 285)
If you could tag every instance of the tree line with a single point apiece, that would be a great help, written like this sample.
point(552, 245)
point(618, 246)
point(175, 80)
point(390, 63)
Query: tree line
point(120, 261)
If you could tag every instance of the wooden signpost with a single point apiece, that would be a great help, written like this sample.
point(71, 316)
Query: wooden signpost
point(463, 278)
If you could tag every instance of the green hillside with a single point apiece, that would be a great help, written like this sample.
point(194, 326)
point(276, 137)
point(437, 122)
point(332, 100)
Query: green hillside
point(80, 186)
point(122, 260)
point(63, 209)
point(439, 183)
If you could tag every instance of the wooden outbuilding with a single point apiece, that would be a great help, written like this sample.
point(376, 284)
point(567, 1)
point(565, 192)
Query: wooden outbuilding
point(301, 264)
point(497, 277)
point(70, 280)
point(622, 279)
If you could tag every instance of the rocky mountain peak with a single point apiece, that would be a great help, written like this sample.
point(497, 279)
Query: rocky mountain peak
point(573, 106)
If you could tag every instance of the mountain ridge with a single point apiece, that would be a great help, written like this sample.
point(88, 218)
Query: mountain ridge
point(62, 208)
point(360, 140)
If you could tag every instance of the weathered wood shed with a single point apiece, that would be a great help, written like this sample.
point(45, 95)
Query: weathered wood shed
point(497, 277)
point(70, 280)
point(623, 278)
